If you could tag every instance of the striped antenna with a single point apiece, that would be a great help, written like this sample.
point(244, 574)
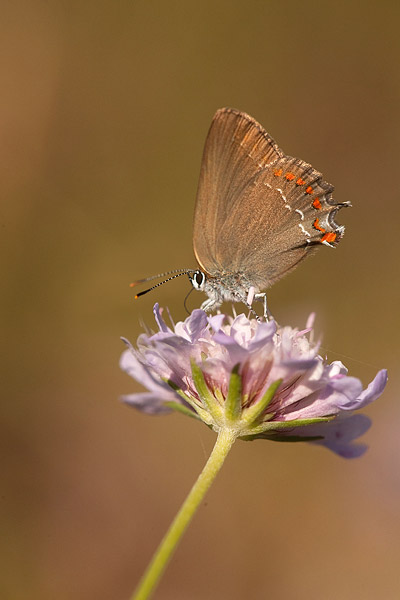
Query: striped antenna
point(178, 273)
point(182, 271)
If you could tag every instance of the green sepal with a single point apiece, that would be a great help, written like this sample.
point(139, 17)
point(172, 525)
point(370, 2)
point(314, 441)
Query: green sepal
point(206, 397)
point(268, 429)
point(202, 414)
point(180, 392)
point(171, 384)
point(282, 438)
point(254, 412)
point(218, 395)
point(181, 408)
point(278, 425)
point(281, 425)
point(233, 402)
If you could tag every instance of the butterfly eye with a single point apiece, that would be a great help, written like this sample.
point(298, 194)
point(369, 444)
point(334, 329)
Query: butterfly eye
point(198, 279)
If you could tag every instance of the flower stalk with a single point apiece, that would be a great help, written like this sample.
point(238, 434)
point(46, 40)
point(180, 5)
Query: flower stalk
point(147, 584)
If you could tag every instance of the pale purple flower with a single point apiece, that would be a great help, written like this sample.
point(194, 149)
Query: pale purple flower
point(258, 379)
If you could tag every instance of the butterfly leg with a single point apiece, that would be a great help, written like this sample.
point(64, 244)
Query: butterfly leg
point(209, 305)
point(251, 296)
point(263, 297)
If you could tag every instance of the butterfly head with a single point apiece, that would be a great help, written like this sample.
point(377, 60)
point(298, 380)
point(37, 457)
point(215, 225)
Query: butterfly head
point(197, 279)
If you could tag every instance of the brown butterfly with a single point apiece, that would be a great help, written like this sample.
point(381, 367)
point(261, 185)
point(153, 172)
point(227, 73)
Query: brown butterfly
point(258, 213)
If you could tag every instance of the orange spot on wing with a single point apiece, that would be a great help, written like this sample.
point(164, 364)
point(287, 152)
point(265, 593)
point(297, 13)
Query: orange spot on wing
point(289, 176)
point(300, 181)
point(318, 226)
point(278, 172)
point(329, 237)
point(317, 204)
point(309, 190)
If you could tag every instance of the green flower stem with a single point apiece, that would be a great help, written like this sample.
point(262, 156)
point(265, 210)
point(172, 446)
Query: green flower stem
point(225, 440)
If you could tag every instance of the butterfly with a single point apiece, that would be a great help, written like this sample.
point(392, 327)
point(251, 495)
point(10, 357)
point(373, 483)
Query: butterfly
point(258, 213)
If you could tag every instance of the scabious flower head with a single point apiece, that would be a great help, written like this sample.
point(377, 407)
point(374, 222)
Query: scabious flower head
point(254, 378)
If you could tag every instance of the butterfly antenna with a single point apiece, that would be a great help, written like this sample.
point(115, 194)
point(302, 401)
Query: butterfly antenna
point(139, 281)
point(157, 284)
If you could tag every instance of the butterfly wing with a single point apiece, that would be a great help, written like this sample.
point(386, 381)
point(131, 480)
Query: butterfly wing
point(258, 211)
point(236, 149)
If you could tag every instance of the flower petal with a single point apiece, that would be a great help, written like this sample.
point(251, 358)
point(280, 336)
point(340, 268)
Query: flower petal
point(193, 327)
point(131, 365)
point(149, 403)
point(373, 391)
point(339, 434)
point(216, 322)
point(159, 320)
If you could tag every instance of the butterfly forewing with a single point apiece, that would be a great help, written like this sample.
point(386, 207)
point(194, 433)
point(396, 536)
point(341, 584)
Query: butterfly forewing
point(236, 149)
point(258, 211)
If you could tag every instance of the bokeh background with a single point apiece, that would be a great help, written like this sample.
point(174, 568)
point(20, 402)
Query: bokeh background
point(104, 109)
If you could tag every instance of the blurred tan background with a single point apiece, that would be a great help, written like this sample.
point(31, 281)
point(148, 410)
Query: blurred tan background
point(104, 109)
